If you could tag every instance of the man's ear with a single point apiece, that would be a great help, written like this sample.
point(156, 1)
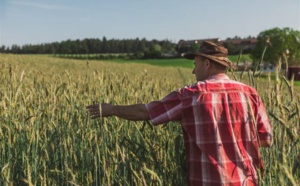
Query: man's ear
point(207, 63)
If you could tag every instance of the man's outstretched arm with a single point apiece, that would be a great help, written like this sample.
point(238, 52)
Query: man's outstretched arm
point(137, 112)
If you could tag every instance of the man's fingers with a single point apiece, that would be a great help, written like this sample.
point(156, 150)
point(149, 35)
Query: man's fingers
point(92, 106)
point(93, 111)
point(94, 115)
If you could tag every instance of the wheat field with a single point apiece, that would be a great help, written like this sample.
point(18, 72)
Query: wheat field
point(46, 137)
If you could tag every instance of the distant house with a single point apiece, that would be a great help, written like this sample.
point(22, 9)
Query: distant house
point(245, 44)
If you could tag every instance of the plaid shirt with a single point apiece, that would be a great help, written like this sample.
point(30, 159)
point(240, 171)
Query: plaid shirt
point(221, 120)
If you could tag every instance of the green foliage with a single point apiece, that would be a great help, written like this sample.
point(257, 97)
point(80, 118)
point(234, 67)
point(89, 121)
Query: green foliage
point(280, 43)
point(195, 47)
point(153, 52)
point(155, 48)
point(232, 49)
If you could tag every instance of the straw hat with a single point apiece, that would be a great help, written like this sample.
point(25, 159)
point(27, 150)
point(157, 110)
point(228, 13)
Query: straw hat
point(213, 52)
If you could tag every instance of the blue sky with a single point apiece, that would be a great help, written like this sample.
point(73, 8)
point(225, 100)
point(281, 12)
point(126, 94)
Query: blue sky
point(43, 21)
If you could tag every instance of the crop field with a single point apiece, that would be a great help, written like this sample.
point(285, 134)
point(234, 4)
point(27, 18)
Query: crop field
point(46, 137)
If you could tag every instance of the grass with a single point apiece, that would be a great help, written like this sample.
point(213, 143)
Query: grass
point(173, 62)
point(176, 62)
point(47, 138)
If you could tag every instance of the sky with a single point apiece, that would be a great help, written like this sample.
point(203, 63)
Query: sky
point(45, 21)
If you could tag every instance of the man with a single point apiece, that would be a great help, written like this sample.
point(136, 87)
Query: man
point(224, 122)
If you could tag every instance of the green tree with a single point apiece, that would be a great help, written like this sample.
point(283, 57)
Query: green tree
point(232, 49)
point(153, 52)
point(2, 49)
point(281, 44)
point(104, 45)
point(15, 49)
point(65, 47)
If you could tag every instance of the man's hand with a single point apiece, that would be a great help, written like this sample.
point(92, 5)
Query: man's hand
point(102, 110)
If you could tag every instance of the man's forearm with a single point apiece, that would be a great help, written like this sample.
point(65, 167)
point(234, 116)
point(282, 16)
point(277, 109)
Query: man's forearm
point(135, 112)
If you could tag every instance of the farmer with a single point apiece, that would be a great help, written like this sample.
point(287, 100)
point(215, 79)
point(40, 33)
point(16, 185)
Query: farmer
point(224, 122)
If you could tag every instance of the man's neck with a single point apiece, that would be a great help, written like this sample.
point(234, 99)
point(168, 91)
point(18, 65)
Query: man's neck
point(217, 76)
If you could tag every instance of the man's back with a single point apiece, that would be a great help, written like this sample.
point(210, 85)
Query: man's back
point(220, 119)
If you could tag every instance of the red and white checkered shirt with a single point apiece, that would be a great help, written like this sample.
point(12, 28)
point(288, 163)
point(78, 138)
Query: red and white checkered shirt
point(221, 120)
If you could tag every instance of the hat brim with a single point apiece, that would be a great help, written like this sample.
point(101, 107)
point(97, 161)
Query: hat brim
point(221, 60)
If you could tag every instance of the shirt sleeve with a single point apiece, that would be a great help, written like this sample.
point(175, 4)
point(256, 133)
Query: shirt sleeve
point(165, 110)
point(263, 125)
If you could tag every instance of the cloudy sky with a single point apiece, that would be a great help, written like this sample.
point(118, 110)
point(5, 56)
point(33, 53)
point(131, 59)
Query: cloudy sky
point(43, 21)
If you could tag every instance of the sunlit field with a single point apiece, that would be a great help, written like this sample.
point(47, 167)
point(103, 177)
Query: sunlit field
point(46, 137)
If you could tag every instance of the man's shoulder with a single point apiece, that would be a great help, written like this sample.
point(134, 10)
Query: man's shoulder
point(230, 84)
point(219, 85)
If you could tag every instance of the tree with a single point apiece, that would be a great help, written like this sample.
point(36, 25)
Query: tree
point(15, 49)
point(65, 47)
point(281, 44)
point(153, 52)
point(232, 49)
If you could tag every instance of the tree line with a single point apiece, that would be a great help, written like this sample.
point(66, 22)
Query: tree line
point(93, 46)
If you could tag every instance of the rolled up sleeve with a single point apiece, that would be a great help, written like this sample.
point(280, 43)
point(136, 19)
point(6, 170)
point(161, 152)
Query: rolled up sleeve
point(165, 110)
